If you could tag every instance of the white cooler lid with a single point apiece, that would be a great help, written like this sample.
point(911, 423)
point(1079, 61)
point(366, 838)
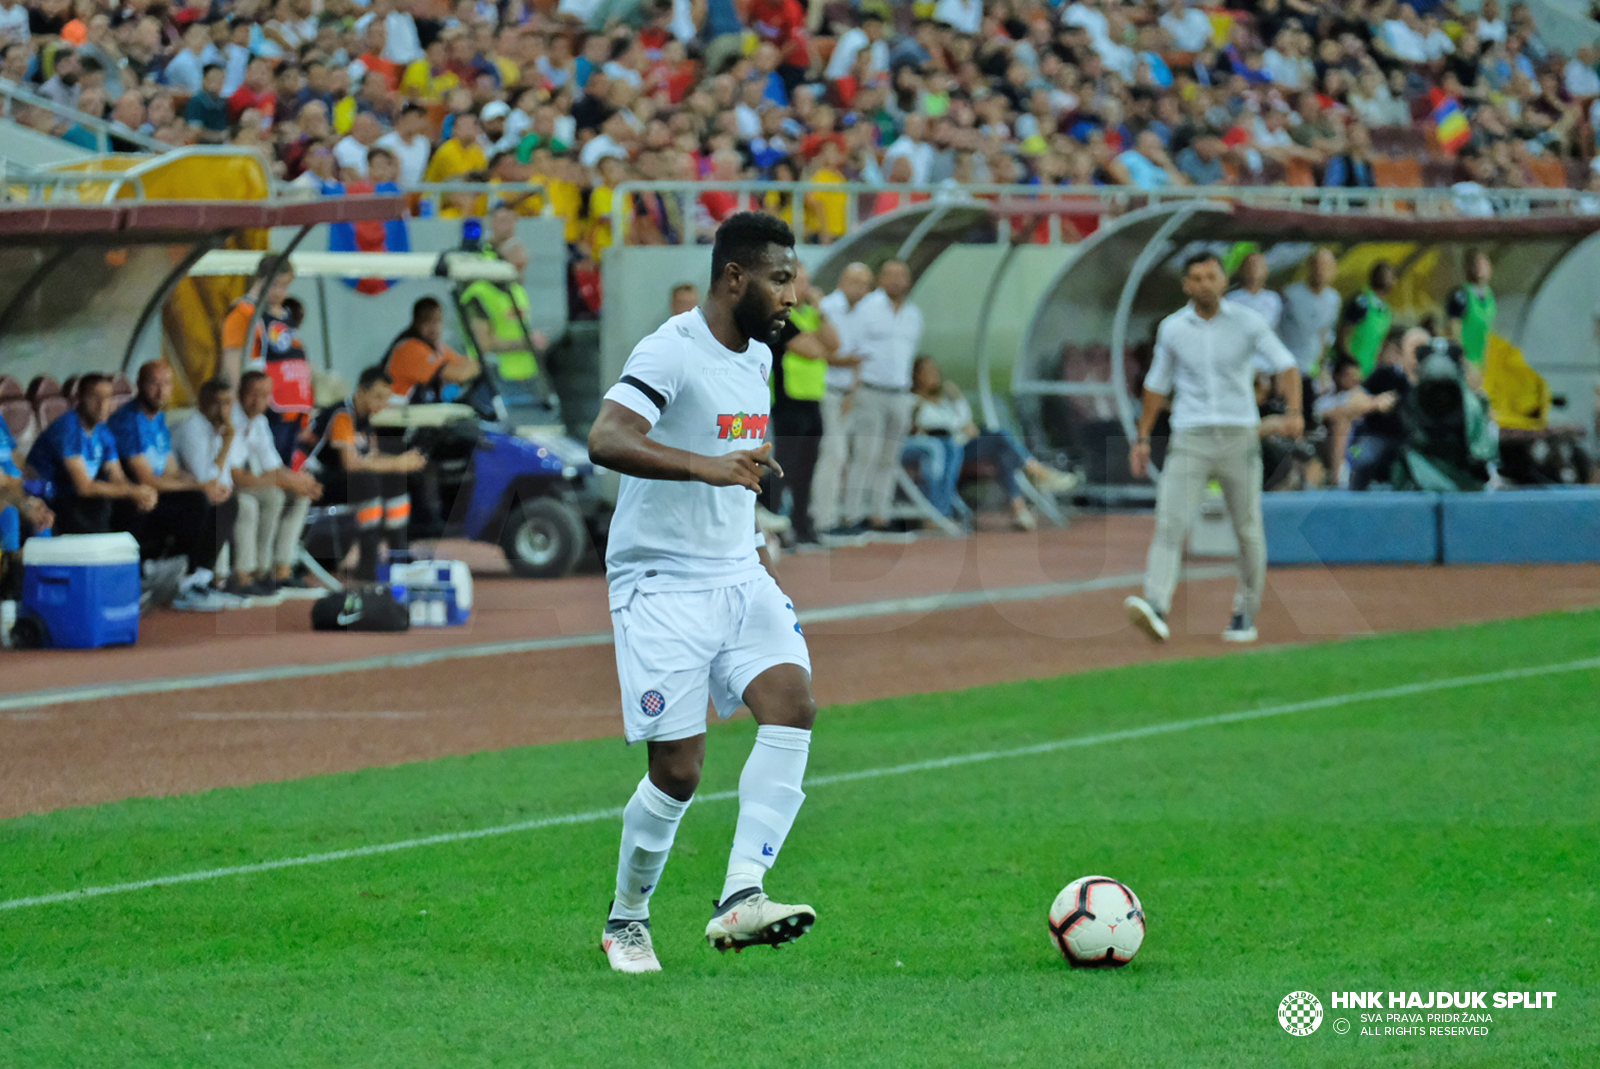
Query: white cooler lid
point(120, 548)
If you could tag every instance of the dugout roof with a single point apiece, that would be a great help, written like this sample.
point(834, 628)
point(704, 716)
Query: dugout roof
point(88, 277)
point(1080, 362)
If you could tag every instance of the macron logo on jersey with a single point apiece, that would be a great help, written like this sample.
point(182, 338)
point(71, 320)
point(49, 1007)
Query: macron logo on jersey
point(741, 425)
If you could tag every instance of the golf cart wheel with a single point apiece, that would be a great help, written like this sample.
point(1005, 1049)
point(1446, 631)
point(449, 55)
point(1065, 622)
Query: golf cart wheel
point(543, 538)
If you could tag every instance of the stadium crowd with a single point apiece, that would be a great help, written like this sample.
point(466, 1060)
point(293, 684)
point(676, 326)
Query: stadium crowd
point(581, 95)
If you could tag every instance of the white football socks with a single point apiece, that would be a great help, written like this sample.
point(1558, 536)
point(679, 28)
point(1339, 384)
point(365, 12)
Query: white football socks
point(769, 800)
point(649, 824)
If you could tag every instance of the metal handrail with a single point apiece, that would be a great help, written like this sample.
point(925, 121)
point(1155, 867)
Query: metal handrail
point(1113, 199)
point(436, 191)
point(439, 190)
point(58, 180)
point(12, 94)
point(170, 155)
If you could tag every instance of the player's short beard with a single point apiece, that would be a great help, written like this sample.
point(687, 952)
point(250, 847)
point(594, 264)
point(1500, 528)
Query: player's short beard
point(752, 317)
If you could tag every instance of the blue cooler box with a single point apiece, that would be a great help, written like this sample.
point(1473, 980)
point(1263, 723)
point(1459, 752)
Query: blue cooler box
point(82, 590)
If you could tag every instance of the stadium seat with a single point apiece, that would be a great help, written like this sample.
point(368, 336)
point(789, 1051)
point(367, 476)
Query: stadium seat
point(69, 389)
point(1550, 172)
point(16, 410)
point(1554, 524)
point(1300, 173)
point(1403, 172)
point(44, 394)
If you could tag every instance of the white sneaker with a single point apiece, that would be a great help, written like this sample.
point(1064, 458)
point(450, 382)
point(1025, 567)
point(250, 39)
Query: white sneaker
point(1240, 629)
point(750, 918)
point(628, 947)
point(1055, 482)
point(1144, 616)
point(206, 600)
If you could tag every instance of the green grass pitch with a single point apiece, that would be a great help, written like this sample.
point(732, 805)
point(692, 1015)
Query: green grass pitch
point(1444, 840)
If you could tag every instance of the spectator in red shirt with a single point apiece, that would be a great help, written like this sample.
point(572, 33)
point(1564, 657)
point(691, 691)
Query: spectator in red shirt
point(782, 23)
point(372, 62)
point(726, 166)
point(257, 92)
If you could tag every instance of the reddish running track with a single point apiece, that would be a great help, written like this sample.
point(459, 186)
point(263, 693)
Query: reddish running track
point(52, 756)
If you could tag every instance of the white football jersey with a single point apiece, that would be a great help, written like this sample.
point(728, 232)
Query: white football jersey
point(705, 398)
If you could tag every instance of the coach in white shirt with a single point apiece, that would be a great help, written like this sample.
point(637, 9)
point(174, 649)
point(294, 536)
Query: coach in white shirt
point(273, 500)
point(827, 484)
point(886, 330)
point(1205, 362)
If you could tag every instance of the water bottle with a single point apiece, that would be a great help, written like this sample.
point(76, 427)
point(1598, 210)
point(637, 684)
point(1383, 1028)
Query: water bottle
point(437, 615)
point(8, 620)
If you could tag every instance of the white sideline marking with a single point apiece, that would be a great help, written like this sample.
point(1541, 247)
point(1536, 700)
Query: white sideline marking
point(892, 607)
point(592, 816)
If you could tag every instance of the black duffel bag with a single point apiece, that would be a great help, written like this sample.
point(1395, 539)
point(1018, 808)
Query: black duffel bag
point(364, 608)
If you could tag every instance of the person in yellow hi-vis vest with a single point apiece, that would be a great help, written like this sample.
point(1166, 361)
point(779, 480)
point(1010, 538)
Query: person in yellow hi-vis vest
point(498, 313)
point(802, 352)
point(1470, 312)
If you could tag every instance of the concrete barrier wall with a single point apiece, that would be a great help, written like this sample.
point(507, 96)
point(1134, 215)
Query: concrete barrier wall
point(1555, 525)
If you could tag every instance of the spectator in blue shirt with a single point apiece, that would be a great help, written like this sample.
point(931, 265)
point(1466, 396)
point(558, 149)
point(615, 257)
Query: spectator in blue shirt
point(1146, 165)
point(190, 518)
point(76, 457)
point(16, 504)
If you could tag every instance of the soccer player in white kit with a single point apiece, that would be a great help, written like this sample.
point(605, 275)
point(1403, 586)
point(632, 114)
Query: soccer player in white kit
point(696, 611)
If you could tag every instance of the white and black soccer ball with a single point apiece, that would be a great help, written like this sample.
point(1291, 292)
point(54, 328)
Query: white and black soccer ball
point(1097, 922)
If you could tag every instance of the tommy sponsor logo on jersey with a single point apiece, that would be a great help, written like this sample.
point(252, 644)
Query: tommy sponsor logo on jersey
point(741, 425)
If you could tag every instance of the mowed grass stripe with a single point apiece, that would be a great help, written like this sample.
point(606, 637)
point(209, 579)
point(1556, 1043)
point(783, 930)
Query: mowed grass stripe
point(951, 761)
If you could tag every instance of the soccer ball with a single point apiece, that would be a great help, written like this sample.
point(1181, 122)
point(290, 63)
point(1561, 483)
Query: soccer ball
point(1097, 922)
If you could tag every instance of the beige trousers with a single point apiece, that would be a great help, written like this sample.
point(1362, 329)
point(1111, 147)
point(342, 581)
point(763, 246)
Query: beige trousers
point(827, 484)
point(266, 532)
point(879, 423)
point(1232, 456)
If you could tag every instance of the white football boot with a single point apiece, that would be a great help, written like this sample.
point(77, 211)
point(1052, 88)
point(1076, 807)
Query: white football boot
point(628, 947)
point(750, 918)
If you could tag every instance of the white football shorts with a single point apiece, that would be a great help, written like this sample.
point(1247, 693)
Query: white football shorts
point(679, 650)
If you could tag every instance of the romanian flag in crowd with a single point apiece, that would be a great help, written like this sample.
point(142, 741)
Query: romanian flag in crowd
point(1450, 125)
